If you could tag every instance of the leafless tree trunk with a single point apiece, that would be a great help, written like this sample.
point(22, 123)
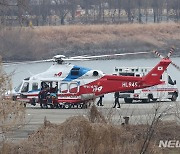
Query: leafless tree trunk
point(139, 11)
point(62, 8)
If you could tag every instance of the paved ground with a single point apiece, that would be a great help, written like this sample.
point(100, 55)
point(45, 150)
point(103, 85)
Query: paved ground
point(138, 113)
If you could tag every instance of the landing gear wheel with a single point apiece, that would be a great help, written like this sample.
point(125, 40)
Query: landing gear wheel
point(67, 106)
point(128, 100)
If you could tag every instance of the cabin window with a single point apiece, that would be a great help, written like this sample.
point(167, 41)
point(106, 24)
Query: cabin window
point(73, 88)
point(35, 86)
point(25, 87)
point(63, 88)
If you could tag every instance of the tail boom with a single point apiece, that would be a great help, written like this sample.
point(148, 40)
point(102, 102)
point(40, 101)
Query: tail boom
point(111, 83)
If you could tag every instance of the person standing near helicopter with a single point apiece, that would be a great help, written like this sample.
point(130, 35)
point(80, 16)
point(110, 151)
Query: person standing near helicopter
point(99, 103)
point(43, 96)
point(116, 95)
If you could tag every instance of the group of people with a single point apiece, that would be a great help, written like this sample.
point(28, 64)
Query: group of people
point(116, 102)
point(47, 96)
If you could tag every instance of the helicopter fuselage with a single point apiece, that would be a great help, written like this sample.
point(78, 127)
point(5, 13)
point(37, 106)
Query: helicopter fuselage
point(75, 84)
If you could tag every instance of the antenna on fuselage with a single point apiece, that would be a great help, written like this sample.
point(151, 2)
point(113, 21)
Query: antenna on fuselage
point(58, 59)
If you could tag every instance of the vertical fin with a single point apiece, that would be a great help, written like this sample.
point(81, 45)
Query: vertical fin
point(153, 77)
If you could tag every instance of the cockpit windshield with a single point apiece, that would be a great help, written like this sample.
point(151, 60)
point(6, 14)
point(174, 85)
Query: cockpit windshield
point(25, 87)
point(18, 87)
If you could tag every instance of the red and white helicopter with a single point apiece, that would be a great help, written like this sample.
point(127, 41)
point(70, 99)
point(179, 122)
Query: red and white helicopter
point(75, 86)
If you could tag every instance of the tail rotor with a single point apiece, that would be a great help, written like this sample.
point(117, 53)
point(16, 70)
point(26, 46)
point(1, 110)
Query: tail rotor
point(168, 56)
point(176, 66)
point(158, 54)
point(170, 52)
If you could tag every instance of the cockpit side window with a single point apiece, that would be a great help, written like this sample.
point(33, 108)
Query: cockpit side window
point(25, 87)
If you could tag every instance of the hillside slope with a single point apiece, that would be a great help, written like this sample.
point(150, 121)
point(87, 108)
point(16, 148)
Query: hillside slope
point(44, 42)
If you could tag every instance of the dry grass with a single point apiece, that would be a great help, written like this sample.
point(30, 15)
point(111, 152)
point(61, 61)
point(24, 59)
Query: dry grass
point(102, 33)
point(82, 39)
point(11, 113)
point(84, 135)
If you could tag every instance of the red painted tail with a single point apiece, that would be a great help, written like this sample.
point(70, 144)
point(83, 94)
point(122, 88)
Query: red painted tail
point(153, 77)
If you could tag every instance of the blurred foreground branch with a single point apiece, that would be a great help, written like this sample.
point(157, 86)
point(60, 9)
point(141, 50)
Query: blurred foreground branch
point(11, 112)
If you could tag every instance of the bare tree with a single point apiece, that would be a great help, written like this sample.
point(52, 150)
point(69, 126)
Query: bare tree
point(177, 9)
point(139, 11)
point(62, 9)
point(95, 10)
point(17, 7)
point(128, 8)
point(119, 8)
point(11, 113)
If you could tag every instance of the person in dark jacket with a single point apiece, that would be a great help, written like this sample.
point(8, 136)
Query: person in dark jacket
point(99, 103)
point(43, 97)
point(116, 95)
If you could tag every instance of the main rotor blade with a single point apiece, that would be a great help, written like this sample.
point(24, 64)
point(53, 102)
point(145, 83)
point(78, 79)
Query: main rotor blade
point(112, 55)
point(74, 59)
point(170, 52)
point(27, 62)
point(77, 57)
